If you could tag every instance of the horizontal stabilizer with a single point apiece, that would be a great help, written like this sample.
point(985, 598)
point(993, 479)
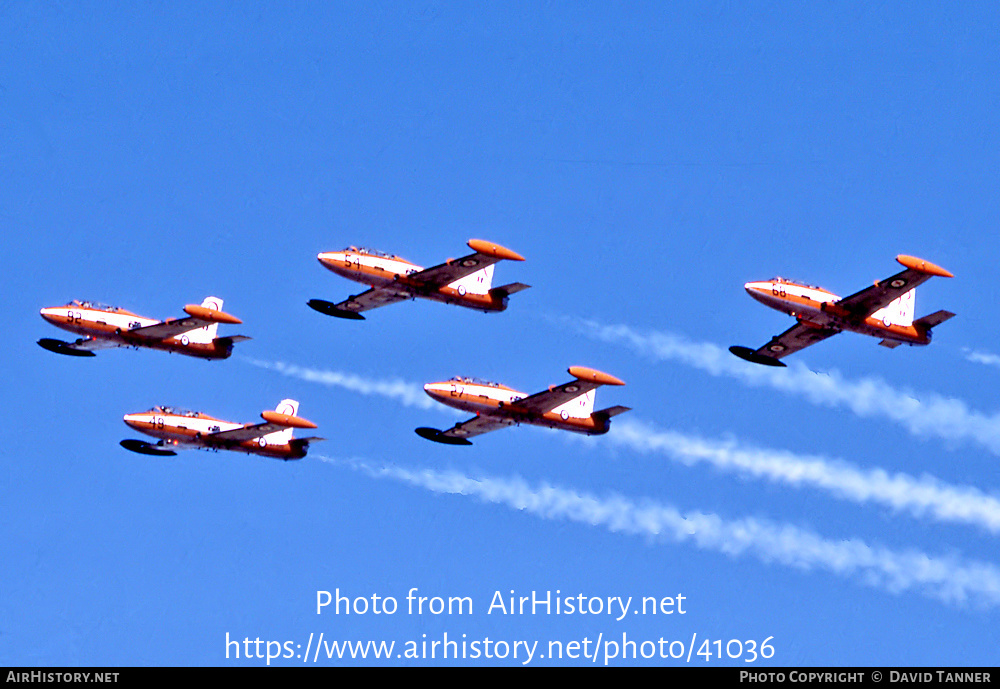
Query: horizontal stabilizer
point(301, 445)
point(934, 319)
point(512, 288)
point(612, 411)
point(227, 343)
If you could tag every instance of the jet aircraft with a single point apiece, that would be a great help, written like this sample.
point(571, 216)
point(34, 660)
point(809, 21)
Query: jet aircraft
point(569, 407)
point(104, 327)
point(884, 310)
point(465, 281)
point(179, 429)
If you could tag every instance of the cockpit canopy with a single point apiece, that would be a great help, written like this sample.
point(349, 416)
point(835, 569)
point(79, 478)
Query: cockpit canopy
point(93, 305)
point(369, 252)
point(176, 411)
point(787, 281)
point(468, 380)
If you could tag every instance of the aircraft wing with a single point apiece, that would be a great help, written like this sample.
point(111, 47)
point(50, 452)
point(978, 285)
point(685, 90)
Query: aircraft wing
point(238, 435)
point(164, 330)
point(273, 421)
point(798, 337)
point(84, 346)
point(198, 317)
point(448, 272)
point(353, 306)
point(462, 431)
point(862, 304)
point(586, 380)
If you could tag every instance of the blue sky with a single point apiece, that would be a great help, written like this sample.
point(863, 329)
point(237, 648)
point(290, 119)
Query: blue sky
point(646, 161)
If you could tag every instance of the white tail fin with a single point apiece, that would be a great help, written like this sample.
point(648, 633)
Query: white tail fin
point(898, 311)
point(289, 408)
point(479, 282)
point(207, 333)
point(579, 407)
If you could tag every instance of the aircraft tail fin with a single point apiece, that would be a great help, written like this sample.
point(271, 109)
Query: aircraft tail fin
point(579, 407)
point(207, 333)
point(582, 406)
point(288, 407)
point(479, 282)
point(899, 311)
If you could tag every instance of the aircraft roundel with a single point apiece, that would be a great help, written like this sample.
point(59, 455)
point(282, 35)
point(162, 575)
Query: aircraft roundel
point(287, 410)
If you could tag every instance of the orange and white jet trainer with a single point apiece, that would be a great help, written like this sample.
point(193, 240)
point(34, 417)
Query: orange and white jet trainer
point(179, 429)
point(104, 327)
point(465, 281)
point(569, 407)
point(884, 310)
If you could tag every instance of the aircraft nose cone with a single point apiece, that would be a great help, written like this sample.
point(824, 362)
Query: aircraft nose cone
point(758, 290)
point(49, 313)
point(328, 257)
point(436, 389)
point(134, 420)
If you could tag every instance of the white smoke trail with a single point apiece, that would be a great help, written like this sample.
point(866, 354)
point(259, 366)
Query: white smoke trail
point(929, 415)
point(406, 393)
point(948, 579)
point(981, 357)
point(924, 496)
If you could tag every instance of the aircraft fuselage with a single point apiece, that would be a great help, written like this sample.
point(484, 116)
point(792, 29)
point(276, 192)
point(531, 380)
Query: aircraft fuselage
point(500, 402)
point(113, 325)
point(817, 307)
point(192, 430)
point(394, 272)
